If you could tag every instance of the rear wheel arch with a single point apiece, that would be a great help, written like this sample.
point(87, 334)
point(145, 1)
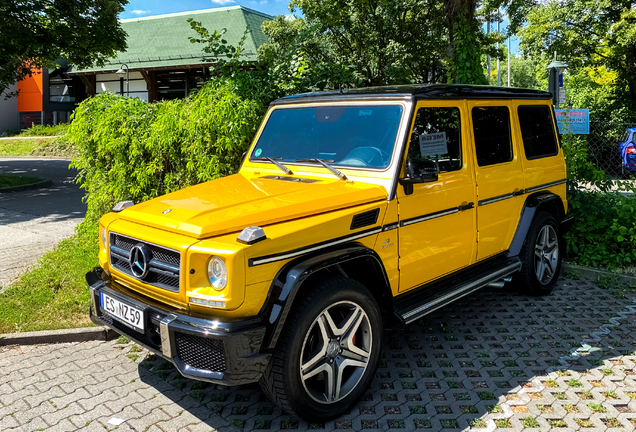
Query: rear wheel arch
point(537, 202)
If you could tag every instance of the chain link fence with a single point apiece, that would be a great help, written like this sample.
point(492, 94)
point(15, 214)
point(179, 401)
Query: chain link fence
point(603, 144)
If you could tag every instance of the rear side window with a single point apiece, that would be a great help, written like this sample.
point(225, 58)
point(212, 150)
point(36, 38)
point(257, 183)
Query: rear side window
point(491, 126)
point(537, 131)
point(436, 138)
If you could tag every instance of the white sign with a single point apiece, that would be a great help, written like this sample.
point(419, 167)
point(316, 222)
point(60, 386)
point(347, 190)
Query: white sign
point(433, 144)
point(562, 97)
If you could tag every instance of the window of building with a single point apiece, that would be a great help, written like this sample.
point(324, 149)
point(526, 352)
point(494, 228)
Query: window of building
point(491, 127)
point(436, 139)
point(537, 131)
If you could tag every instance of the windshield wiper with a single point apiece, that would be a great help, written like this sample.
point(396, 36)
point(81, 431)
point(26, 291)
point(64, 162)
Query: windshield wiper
point(278, 164)
point(324, 163)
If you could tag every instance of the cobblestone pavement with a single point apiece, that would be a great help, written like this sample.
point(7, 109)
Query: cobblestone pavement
point(495, 360)
point(34, 221)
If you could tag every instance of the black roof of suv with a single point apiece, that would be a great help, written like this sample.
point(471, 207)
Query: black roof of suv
point(420, 91)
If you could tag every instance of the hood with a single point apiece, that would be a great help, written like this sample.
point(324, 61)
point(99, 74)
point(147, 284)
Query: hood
point(235, 202)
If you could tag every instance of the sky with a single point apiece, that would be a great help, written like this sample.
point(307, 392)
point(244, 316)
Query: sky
point(142, 8)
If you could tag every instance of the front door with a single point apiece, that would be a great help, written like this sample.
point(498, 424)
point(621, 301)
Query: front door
point(437, 220)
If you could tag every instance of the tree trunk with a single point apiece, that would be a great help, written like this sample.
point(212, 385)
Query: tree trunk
point(630, 71)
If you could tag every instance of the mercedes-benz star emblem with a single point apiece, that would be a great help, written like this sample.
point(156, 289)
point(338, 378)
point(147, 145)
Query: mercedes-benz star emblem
point(140, 256)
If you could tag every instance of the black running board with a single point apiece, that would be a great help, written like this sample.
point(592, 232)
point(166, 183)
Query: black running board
point(418, 302)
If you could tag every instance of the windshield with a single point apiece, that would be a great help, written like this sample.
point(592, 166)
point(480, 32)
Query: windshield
point(355, 136)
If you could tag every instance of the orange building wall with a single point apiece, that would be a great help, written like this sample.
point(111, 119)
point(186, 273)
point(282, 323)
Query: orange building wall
point(30, 93)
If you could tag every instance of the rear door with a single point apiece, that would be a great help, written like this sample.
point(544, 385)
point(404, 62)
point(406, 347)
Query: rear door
point(499, 175)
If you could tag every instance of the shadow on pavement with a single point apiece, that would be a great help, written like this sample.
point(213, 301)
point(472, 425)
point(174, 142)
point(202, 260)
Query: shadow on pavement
point(493, 359)
point(59, 202)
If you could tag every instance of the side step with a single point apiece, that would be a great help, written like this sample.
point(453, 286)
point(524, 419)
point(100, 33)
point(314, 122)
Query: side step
point(418, 302)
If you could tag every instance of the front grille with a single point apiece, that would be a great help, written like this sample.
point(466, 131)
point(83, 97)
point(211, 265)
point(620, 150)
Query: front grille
point(164, 271)
point(201, 353)
point(150, 337)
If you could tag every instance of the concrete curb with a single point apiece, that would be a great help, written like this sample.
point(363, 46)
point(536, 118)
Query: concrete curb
point(593, 274)
point(58, 336)
point(36, 185)
point(64, 158)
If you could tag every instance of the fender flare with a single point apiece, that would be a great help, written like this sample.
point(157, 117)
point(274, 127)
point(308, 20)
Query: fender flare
point(533, 204)
point(291, 277)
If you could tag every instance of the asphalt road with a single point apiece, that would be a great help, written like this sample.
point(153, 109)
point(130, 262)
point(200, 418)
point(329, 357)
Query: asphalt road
point(34, 221)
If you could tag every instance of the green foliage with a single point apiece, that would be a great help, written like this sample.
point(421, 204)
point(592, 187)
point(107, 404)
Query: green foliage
point(599, 35)
point(37, 33)
point(227, 58)
point(604, 230)
point(43, 130)
point(130, 150)
point(466, 63)
point(353, 43)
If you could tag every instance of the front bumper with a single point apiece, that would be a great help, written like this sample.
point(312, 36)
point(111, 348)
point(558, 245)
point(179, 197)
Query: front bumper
point(204, 349)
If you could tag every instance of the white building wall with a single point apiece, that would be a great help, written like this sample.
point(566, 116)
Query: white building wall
point(111, 82)
point(8, 111)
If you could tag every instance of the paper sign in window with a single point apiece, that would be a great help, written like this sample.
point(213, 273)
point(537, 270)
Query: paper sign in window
point(433, 144)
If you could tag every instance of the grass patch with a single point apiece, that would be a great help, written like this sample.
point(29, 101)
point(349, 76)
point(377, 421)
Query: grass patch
point(596, 407)
point(477, 423)
point(503, 423)
point(53, 294)
point(574, 383)
point(557, 423)
point(41, 130)
point(37, 146)
point(529, 422)
point(16, 180)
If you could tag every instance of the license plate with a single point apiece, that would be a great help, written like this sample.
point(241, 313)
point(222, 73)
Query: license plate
point(129, 315)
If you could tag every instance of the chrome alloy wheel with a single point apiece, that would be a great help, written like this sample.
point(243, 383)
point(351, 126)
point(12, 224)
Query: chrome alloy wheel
point(335, 352)
point(546, 254)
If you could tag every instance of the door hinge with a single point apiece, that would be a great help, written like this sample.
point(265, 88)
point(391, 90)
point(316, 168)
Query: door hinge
point(477, 236)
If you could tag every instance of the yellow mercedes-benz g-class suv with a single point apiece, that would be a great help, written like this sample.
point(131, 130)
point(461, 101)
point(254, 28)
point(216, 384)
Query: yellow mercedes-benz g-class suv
point(349, 208)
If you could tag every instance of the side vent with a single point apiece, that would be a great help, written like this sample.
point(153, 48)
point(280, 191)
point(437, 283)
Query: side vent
point(365, 219)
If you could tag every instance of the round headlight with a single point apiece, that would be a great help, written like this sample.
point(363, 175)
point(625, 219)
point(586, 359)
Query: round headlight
point(104, 238)
point(217, 273)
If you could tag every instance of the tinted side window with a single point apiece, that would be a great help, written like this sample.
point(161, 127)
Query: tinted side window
point(436, 138)
point(491, 126)
point(537, 131)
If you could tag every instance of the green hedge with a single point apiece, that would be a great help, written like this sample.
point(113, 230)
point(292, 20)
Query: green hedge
point(604, 211)
point(131, 150)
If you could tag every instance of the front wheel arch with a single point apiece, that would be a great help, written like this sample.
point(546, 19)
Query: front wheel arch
point(352, 261)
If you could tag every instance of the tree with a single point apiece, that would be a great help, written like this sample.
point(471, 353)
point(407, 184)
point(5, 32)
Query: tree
point(372, 42)
point(464, 43)
point(38, 32)
point(586, 34)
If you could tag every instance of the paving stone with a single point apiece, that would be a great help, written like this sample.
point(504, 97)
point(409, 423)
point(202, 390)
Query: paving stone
point(544, 358)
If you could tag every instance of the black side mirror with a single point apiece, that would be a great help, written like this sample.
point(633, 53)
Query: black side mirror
point(417, 172)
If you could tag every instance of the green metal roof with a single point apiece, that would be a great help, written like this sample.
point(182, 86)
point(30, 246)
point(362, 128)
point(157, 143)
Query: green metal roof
point(163, 40)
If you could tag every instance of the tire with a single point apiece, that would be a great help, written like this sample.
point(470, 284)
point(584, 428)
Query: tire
point(328, 351)
point(541, 256)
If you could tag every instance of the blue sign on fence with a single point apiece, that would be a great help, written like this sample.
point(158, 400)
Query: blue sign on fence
point(576, 121)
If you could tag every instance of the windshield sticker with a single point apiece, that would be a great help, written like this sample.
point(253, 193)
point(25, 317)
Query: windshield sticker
point(364, 112)
point(258, 152)
point(433, 144)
